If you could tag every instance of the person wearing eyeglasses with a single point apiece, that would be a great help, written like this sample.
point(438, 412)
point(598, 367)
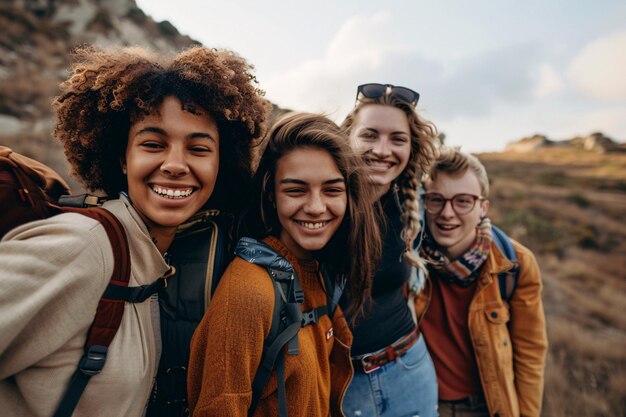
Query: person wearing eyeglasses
point(394, 375)
point(489, 353)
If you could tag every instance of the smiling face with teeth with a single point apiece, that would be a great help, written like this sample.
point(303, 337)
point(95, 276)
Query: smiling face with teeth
point(171, 163)
point(310, 198)
point(382, 132)
point(453, 232)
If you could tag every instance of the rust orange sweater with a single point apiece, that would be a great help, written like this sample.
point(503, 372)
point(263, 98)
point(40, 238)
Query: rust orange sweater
point(227, 346)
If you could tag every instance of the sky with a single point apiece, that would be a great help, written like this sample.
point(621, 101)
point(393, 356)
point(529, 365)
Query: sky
point(489, 72)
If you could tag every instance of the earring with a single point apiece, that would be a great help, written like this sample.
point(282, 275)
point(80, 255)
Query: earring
point(124, 169)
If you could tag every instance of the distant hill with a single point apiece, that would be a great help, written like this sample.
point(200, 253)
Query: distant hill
point(595, 142)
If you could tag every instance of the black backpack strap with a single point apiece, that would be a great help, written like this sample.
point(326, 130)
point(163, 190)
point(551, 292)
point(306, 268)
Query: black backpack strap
point(334, 291)
point(282, 390)
point(137, 294)
point(507, 280)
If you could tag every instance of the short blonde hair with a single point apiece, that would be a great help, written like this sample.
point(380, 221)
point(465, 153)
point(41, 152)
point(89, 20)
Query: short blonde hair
point(453, 161)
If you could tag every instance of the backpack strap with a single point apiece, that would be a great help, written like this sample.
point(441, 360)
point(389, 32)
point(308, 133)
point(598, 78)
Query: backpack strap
point(110, 308)
point(108, 314)
point(287, 317)
point(507, 280)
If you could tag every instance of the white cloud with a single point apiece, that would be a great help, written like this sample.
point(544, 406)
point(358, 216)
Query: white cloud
point(371, 49)
point(482, 101)
point(548, 81)
point(599, 70)
point(610, 121)
point(365, 49)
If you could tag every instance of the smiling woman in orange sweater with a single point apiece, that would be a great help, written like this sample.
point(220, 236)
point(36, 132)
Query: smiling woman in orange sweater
point(312, 209)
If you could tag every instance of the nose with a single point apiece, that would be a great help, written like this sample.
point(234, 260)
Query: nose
point(381, 148)
point(447, 210)
point(175, 163)
point(315, 205)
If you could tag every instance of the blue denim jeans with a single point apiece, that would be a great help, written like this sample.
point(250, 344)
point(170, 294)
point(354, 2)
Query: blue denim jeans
point(406, 387)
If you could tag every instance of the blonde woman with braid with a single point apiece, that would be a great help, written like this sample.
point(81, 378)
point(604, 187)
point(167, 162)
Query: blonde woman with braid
point(394, 374)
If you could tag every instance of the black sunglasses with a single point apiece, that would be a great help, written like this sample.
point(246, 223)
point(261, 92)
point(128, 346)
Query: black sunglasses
point(373, 90)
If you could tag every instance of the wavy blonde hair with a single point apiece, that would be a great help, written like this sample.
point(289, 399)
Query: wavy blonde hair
point(423, 152)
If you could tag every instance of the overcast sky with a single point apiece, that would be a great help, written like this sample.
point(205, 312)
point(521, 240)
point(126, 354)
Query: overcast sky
point(489, 72)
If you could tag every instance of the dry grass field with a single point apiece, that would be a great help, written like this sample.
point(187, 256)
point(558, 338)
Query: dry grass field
point(568, 206)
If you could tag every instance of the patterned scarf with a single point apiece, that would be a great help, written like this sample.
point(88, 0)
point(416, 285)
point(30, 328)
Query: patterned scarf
point(461, 271)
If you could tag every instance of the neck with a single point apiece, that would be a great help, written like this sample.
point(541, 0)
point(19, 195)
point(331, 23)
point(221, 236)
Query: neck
point(378, 191)
point(163, 238)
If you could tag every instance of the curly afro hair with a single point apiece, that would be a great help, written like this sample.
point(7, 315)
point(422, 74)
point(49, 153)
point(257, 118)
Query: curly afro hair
point(109, 90)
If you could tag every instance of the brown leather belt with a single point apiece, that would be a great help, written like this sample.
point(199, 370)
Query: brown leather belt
point(370, 362)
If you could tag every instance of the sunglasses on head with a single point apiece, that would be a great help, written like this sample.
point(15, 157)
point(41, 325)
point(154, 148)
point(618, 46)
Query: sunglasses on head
point(373, 90)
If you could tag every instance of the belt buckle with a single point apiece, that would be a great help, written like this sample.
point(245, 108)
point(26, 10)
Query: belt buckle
point(368, 368)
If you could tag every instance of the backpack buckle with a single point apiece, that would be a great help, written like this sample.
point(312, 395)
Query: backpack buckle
point(309, 317)
point(93, 360)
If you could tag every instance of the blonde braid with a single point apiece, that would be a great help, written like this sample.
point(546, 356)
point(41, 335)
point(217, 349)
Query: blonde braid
point(410, 212)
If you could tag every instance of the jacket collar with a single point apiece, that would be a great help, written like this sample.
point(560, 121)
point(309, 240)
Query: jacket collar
point(147, 264)
point(496, 263)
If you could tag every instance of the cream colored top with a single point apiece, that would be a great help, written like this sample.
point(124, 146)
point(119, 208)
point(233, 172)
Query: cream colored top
point(52, 274)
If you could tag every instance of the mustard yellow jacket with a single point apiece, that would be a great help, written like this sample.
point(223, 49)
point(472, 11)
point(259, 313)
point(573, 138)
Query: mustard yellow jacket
point(509, 339)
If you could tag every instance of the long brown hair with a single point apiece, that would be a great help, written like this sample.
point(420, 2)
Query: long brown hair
point(355, 248)
point(423, 151)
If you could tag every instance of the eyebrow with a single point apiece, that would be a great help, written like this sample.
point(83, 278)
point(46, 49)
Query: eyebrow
point(301, 182)
point(395, 132)
point(159, 131)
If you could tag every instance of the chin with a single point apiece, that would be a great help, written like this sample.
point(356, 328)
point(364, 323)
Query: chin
point(313, 246)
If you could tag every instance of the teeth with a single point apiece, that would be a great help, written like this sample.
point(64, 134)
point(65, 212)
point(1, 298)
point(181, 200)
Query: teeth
point(310, 225)
point(379, 164)
point(444, 227)
point(169, 193)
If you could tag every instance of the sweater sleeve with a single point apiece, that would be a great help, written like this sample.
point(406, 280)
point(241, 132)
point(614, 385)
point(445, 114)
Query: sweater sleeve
point(528, 335)
point(227, 346)
point(53, 273)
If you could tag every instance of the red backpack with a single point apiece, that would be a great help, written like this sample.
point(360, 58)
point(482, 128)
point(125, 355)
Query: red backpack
point(30, 190)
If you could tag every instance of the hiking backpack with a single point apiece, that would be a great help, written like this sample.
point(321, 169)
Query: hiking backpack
point(287, 317)
point(30, 190)
point(507, 280)
point(199, 254)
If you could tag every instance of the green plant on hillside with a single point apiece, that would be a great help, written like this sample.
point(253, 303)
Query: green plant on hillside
point(554, 178)
point(541, 233)
point(579, 200)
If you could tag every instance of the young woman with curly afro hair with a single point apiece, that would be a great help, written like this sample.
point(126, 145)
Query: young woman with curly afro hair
point(394, 374)
point(161, 135)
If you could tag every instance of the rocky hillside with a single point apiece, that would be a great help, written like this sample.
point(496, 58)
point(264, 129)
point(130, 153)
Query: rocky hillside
point(37, 38)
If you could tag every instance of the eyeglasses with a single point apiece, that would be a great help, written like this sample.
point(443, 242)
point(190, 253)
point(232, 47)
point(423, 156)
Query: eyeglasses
point(461, 203)
point(373, 90)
